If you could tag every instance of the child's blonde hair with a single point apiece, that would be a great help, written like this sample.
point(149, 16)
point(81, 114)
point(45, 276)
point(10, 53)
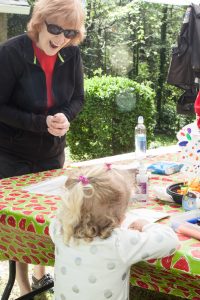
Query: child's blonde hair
point(94, 203)
point(69, 11)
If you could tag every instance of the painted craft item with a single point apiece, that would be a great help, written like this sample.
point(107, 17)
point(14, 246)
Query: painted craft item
point(189, 143)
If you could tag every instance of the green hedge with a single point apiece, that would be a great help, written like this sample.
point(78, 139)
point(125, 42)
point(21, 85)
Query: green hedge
point(106, 124)
point(171, 122)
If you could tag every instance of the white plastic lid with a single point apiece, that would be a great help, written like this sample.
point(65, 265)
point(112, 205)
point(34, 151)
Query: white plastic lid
point(140, 120)
point(142, 170)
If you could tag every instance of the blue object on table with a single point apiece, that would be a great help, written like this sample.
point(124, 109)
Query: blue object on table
point(193, 221)
point(164, 168)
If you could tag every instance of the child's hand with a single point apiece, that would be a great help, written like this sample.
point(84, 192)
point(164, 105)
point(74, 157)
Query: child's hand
point(138, 224)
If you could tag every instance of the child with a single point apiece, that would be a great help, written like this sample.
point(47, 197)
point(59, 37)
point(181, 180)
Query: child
point(93, 254)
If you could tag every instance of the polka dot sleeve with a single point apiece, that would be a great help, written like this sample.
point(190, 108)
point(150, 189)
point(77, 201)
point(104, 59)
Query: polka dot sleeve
point(155, 241)
point(54, 229)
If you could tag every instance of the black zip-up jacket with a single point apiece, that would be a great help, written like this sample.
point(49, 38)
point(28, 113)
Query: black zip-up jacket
point(185, 62)
point(23, 98)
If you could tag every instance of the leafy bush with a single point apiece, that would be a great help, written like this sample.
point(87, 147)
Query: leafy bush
point(17, 24)
point(171, 122)
point(106, 124)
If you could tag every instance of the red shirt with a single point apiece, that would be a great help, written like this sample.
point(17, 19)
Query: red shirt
point(47, 64)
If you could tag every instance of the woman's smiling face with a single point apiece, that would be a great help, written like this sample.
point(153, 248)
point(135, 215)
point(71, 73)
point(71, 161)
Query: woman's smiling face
point(51, 43)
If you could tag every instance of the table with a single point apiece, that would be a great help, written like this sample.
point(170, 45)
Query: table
point(25, 217)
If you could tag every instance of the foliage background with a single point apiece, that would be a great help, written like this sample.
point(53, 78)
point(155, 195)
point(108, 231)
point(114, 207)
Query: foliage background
point(105, 126)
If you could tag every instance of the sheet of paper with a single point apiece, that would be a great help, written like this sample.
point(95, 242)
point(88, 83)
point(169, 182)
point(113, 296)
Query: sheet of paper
point(142, 213)
point(54, 186)
point(161, 193)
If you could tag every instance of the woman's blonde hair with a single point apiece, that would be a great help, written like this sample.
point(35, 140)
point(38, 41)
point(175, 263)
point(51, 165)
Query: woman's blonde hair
point(69, 11)
point(94, 203)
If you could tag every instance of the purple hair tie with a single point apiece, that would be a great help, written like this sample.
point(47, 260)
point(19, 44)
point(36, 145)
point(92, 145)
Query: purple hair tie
point(83, 179)
point(108, 166)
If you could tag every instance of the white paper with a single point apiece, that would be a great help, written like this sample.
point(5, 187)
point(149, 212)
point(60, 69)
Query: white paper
point(161, 194)
point(142, 213)
point(54, 186)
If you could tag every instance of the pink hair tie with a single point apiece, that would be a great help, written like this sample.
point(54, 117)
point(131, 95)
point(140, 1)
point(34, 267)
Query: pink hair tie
point(108, 166)
point(83, 179)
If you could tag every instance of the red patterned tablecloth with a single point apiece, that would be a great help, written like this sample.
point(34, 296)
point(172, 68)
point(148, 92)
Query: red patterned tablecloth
point(25, 217)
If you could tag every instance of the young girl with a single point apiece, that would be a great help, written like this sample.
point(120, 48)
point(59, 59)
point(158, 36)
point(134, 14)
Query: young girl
point(93, 254)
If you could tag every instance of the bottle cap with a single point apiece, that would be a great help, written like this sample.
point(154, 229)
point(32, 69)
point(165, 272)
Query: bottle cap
point(142, 170)
point(140, 120)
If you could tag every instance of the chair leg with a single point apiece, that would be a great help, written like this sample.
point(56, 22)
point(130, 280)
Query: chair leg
point(11, 280)
point(36, 292)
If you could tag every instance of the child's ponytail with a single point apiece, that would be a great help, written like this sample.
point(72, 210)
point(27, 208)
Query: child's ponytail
point(94, 203)
point(70, 211)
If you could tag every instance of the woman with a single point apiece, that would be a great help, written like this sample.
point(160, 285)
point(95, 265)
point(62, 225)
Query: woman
point(41, 91)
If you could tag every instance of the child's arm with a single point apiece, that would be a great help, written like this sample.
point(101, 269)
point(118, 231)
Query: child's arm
point(54, 228)
point(149, 240)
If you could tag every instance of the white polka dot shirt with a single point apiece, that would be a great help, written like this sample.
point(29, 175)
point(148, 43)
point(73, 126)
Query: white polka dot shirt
point(100, 270)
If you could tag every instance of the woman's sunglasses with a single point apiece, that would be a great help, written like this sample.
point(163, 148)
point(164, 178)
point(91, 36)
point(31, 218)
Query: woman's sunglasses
point(56, 30)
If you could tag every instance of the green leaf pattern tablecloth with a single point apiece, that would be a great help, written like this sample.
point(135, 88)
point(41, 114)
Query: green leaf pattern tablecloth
point(25, 217)
point(24, 220)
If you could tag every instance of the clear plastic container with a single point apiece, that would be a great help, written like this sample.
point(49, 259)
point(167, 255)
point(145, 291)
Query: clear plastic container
point(140, 139)
point(191, 200)
point(141, 194)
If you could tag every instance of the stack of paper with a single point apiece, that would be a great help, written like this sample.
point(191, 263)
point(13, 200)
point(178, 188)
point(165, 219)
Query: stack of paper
point(143, 213)
point(54, 186)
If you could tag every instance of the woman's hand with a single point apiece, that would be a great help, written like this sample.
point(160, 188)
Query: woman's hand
point(58, 124)
point(138, 224)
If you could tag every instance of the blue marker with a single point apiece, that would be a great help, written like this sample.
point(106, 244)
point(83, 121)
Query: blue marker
point(194, 220)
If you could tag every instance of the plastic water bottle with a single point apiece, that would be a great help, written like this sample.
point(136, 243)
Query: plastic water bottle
point(140, 139)
point(142, 185)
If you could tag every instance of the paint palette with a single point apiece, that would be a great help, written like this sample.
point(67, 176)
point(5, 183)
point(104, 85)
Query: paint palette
point(172, 191)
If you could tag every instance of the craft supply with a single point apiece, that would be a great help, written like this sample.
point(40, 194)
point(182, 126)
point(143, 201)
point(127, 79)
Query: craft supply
point(191, 200)
point(142, 185)
point(189, 143)
point(164, 168)
point(161, 193)
point(143, 213)
point(172, 191)
point(193, 220)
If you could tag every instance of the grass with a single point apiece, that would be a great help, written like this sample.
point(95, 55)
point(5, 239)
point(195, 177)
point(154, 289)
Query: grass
point(162, 140)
